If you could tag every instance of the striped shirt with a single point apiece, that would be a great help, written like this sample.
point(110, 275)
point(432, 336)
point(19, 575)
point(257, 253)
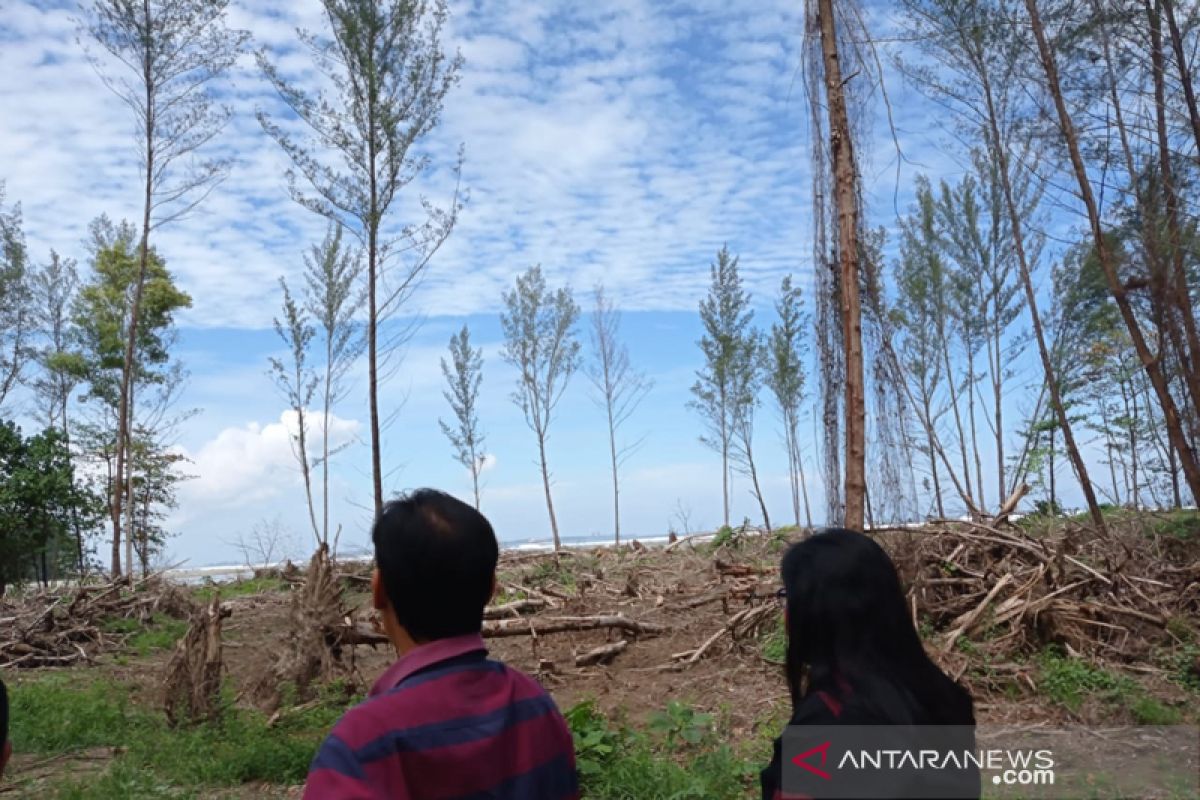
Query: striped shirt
point(446, 722)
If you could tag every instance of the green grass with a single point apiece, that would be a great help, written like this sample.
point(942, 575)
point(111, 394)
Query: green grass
point(58, 715)
point(1181, 524)
point(773, 645)
point(1070, 681)
point(240, 588)
point(144, 638)
point(679, 758)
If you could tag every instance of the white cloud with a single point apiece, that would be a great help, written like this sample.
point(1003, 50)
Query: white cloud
point(243, 466)
point(628, 140)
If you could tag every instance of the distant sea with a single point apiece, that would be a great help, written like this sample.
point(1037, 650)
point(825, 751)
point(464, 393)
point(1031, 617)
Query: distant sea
point(233, 572)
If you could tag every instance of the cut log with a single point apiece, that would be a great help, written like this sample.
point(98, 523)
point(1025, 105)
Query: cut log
point(602, 654)
point(515, 609)
point(525, 626)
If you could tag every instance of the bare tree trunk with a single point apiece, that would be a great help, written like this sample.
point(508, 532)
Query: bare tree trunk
point(846, 203)
point(745, 434)
point(793, 466)
point(951, 383)
point(725, 456)
point(129, 498)
point(373, 321)
point(546, 486)
point(328, 401)
point(475, 468)
point(1053, 497)
point(998, 395)
point(1000, 153)
point(933, 469)
point(803, 485)
point(125, 409)
point(975, 429)
point(1151, 364)
point(612, 451)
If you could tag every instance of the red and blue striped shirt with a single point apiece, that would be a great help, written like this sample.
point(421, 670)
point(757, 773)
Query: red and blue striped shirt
point(446, 722)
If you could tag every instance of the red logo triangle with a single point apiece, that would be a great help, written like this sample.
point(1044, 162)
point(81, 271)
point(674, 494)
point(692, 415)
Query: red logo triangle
point(802, 760)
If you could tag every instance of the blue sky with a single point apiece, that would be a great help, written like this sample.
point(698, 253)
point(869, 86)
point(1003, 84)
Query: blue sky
point(621, 142)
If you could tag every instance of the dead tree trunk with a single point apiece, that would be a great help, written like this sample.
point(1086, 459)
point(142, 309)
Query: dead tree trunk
point(845, 197)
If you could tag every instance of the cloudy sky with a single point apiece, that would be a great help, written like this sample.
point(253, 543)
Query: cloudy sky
point(621, 142)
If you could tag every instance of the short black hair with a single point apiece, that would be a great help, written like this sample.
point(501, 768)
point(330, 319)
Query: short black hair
point(437, 558)
point(3, 715)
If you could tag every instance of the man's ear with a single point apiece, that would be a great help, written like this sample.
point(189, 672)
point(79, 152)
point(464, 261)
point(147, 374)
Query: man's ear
point(379, 598)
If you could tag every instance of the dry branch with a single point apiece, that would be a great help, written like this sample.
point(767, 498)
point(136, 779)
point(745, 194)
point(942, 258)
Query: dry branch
point(526, 626)
point(601, 655)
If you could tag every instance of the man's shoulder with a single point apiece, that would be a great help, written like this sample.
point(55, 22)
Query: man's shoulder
point(430, 697)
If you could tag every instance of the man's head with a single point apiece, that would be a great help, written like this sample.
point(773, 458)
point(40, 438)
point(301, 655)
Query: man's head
point(5, 745)
point(435, 565)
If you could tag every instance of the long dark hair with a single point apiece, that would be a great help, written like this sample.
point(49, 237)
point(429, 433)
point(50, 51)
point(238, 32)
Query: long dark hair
point(847, 622)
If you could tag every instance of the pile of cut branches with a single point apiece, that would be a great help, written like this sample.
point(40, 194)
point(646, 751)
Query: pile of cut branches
point(999, 593)
point(67, 626)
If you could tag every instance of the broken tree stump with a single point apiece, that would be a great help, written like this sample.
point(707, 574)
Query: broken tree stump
point(192, 685)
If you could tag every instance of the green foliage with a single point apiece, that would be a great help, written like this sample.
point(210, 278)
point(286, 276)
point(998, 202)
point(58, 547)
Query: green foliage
point(680, 724)
point(774, 643)
point(463, 375)
point(160, 633)
point(616, 763)
point(1183, 525)
point(41, 502)
point(725, 537)
point(1070, 681)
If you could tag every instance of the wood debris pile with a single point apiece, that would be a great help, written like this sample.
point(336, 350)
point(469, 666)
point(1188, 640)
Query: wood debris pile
point(73, 625)
point(995, 595)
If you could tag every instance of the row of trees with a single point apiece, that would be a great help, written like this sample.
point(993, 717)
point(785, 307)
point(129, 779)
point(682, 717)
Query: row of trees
point(63, 368)
point(163, 59)
point(541, 343)
point(1059, 111)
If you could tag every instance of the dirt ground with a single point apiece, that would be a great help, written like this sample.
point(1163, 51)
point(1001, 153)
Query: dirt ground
point(692, 597)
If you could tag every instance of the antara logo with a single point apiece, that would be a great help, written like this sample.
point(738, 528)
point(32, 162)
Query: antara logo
point(802, 760)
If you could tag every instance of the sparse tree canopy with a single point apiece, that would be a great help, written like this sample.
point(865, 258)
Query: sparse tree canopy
point(389, 78)
point(539, 340)
point(163, 56)
point(619, 387)
point(785, 377)
point(463, 375)
point(297, 382)
point(729, 348)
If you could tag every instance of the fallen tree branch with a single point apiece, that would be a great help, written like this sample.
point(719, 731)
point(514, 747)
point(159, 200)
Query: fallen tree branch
point(601, 655)
point(524, 626)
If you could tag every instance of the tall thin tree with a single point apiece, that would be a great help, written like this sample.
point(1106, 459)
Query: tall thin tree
point(389, 78)
point(725, 314)
point(464, 374)
point(298, 383)
point(785, 351)
point(749, 371)
point(620, 388)
point(333, 299)
point(539, 341)
point(822, 34)
point(168, 53)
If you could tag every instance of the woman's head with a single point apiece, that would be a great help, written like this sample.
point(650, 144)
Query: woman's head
point(847, 619)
